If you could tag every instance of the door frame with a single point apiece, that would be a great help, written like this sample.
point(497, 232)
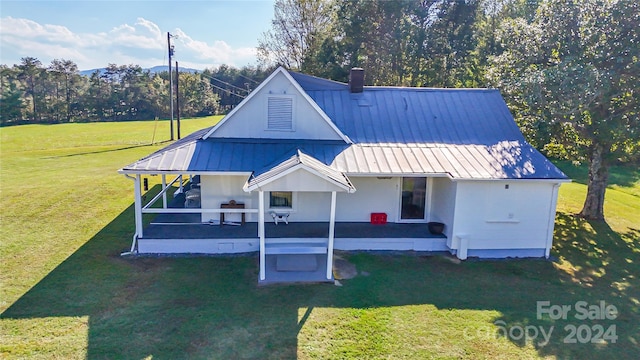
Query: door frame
point(427, 201)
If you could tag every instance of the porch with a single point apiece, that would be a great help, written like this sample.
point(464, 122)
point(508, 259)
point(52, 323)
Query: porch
point(298, 251)
point(188, 226)
point(296, 237)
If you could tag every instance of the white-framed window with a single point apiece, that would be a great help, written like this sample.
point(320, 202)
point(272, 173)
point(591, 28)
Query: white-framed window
point(280, 113)
point(283, 200)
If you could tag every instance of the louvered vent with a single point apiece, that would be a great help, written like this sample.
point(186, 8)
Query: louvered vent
point(280, 113)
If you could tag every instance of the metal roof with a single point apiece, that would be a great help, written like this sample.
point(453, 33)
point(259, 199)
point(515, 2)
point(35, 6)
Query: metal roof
point(195, 155)
point(403, 115)
point(461, 133)
point(506, 160)
point(301, 159)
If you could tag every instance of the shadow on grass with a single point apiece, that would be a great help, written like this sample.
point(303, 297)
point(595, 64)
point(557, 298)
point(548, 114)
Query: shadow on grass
point(175, 307)
point(594, 264)
point(109, 150)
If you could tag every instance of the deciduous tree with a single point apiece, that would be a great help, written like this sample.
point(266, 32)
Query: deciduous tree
point(574, 71)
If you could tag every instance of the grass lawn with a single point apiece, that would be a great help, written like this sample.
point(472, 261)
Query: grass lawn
point(66, 293)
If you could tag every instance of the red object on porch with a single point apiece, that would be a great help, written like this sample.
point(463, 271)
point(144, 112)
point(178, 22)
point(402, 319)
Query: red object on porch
point(378, 218)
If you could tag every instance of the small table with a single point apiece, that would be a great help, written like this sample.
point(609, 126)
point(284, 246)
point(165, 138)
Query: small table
point(231, 205)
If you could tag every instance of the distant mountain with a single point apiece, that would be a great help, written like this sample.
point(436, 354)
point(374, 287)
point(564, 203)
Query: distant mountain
point(153, 70)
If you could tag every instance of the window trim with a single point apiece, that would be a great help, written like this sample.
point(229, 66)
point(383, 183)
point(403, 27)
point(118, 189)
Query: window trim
point(294, 201)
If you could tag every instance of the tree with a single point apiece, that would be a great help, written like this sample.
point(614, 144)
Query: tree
point(11, 104)
point(374, 35)
point(65, 73)
point(196, 96)
point(573, 72)
point(297, 30)
point(30, 70)
point(442, 40)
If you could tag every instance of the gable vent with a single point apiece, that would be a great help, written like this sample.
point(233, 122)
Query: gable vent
point(280, 113)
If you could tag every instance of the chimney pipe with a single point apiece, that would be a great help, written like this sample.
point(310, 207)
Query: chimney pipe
point(356, 80)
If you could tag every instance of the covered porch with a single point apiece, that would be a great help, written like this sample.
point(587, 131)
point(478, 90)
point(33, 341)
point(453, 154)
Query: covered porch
point(294, 252)
point(300, 251)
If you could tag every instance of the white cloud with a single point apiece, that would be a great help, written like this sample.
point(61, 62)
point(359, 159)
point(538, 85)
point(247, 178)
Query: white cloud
point(140, 43)
point(219, 53)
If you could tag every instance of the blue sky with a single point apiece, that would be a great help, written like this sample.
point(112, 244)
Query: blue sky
point(95, 33)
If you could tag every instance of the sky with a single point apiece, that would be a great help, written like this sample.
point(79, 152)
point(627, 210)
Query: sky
point(94, 34)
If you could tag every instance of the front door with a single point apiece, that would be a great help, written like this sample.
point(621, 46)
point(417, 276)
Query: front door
point(414, 192)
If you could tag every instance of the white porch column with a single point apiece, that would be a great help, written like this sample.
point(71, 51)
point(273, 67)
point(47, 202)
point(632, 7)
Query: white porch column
point(332, 228)
point(138, 205)
point(164, 194)
point(261, 233)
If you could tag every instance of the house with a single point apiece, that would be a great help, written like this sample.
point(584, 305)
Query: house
point(304, 166)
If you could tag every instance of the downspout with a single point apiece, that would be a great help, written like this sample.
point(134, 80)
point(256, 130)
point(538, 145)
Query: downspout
point(552, 220)
point(332, 230)
point(138, 214)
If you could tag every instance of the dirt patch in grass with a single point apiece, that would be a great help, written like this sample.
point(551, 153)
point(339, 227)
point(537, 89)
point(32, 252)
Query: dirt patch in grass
point(343, 269)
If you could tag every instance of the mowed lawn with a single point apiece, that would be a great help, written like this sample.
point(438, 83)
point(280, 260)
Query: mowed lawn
point(66, 292)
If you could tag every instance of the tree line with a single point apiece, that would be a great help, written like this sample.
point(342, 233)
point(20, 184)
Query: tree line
point(33, 93)
point(568, 69)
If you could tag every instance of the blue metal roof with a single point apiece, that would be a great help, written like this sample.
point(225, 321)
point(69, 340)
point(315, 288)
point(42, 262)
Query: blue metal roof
point(414, 115)
point(194, 155)
point(463, 133)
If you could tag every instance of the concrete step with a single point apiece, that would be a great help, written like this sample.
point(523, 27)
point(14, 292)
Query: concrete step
point(295, 248)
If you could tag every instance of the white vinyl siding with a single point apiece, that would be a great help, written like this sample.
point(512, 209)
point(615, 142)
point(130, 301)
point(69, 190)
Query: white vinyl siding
point(280, 113)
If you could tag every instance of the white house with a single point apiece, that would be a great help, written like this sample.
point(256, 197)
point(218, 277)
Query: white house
point(304, 165)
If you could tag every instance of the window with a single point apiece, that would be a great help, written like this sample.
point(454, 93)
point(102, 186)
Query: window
point(281, 199)
point(280, 113)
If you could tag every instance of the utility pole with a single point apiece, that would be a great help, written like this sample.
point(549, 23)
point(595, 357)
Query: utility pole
point(170, 82)
point(178, 99)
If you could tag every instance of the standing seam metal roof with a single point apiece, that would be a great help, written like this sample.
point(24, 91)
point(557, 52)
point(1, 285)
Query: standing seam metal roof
point(463, 133)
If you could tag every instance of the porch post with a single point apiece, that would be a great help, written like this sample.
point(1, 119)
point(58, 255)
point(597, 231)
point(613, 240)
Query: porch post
point(261, 233)
point(332, 227)
point(138, 205)
point(164, 194)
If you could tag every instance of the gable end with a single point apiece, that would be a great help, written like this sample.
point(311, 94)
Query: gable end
point(278, 108)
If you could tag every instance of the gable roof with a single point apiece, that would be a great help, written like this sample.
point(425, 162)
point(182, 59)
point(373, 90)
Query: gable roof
point(303, 161)
point(459, 133)
point(257, 90)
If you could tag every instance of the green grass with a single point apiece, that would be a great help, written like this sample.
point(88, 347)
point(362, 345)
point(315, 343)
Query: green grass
point(66, 293)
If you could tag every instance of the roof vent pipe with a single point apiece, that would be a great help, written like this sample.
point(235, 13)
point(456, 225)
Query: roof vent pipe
point(356, 80)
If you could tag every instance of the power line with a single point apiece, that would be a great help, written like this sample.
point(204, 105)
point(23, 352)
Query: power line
point(250, 79)
point(228, 91)
point(226, 83)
